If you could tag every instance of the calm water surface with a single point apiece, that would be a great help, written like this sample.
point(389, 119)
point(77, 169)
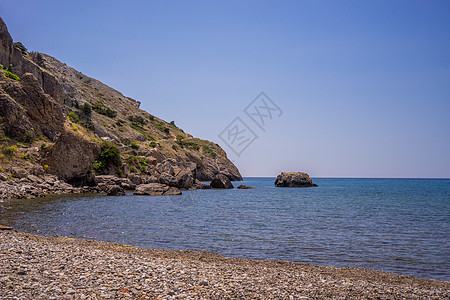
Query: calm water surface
point(397, 225)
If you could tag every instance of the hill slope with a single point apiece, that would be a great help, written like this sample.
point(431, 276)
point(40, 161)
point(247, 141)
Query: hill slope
point(58, 120)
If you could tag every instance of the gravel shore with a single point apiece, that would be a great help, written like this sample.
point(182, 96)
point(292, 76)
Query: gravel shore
point(37, 267)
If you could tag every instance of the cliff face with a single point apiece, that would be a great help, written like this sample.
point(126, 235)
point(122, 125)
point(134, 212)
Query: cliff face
point(74, 126)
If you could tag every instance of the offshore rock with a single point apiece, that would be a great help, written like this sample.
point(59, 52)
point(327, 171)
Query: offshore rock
point(221, 182)
point(245, 187)
point(294, 179)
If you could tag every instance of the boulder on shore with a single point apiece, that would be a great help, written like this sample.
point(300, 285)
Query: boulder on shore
point(221, 182)
point(115, 190)
point(293, 179)
point(156, 189)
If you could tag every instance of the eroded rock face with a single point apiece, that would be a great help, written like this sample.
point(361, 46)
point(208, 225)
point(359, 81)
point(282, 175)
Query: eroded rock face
point(11, 55)
point(13, 119)
point(221, 182)
point(71, 159)
point(156, 189)
point(294, 179)
point(42, 111)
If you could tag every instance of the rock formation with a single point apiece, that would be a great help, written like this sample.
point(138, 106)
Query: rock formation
point(71, 159)
point(294, 179)
point(55, 118)
point(156, 189)
point(221, 182)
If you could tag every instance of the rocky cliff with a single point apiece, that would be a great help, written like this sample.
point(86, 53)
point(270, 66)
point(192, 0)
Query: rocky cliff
point(60, 121)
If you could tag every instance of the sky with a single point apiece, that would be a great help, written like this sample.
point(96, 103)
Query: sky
point(362, 87)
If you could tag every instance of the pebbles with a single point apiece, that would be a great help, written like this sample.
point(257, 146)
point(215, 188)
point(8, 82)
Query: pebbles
point(36, 267)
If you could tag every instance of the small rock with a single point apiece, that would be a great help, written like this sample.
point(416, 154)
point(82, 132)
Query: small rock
point(245, 187)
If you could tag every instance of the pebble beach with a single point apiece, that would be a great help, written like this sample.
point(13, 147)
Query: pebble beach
point(38, 267)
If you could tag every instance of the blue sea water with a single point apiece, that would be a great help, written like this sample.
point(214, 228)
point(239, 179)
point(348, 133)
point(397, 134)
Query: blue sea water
point(396, 225)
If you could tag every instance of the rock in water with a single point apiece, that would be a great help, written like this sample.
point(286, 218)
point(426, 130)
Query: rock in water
point(293, 179)
point(221, 182)
point(115, 190)
point(156, 189)
point(245, 187)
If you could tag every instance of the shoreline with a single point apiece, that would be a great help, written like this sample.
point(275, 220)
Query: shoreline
point(39, 267)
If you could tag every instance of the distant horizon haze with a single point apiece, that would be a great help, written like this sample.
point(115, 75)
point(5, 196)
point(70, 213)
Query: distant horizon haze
point(363, 86)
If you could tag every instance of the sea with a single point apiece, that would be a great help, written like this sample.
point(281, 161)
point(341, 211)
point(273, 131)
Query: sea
point(394, 225)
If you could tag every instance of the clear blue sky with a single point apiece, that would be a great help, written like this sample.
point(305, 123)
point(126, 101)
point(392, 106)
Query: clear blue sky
point(364, 85)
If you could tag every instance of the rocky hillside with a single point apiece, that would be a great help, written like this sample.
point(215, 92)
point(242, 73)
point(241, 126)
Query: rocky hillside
point(56, 120)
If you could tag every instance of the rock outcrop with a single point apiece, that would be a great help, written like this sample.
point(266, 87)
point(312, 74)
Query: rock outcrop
point(71, 159)
point(42, 111)
point(156, 189)
point(294, 179)
point(11, 55)
point(221, 182)
point(55, 117)
point(115, 190)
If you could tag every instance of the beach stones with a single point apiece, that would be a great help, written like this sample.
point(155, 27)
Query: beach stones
point(293, 179)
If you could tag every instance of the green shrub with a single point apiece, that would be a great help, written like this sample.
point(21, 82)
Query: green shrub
point(73, 117)
point(134, 145)
point(86, 109)
point(9, 151)
point(193, 145)
point(132, 159)
point(132, 169)
point(21, 47)
point(173, 123)
point(103, 110)
point(160, 126)
point(120, 123)
point(209, 151)
point(43, 146)
point(10, 75)
point(137, 119)
point(152, 144)
point(143, 160)
point(109, 155)
point(180, 141)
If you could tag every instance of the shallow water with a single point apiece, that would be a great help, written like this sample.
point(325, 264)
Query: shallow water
point(396, 225)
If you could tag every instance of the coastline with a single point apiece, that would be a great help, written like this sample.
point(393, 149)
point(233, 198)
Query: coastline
point(40, 267)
